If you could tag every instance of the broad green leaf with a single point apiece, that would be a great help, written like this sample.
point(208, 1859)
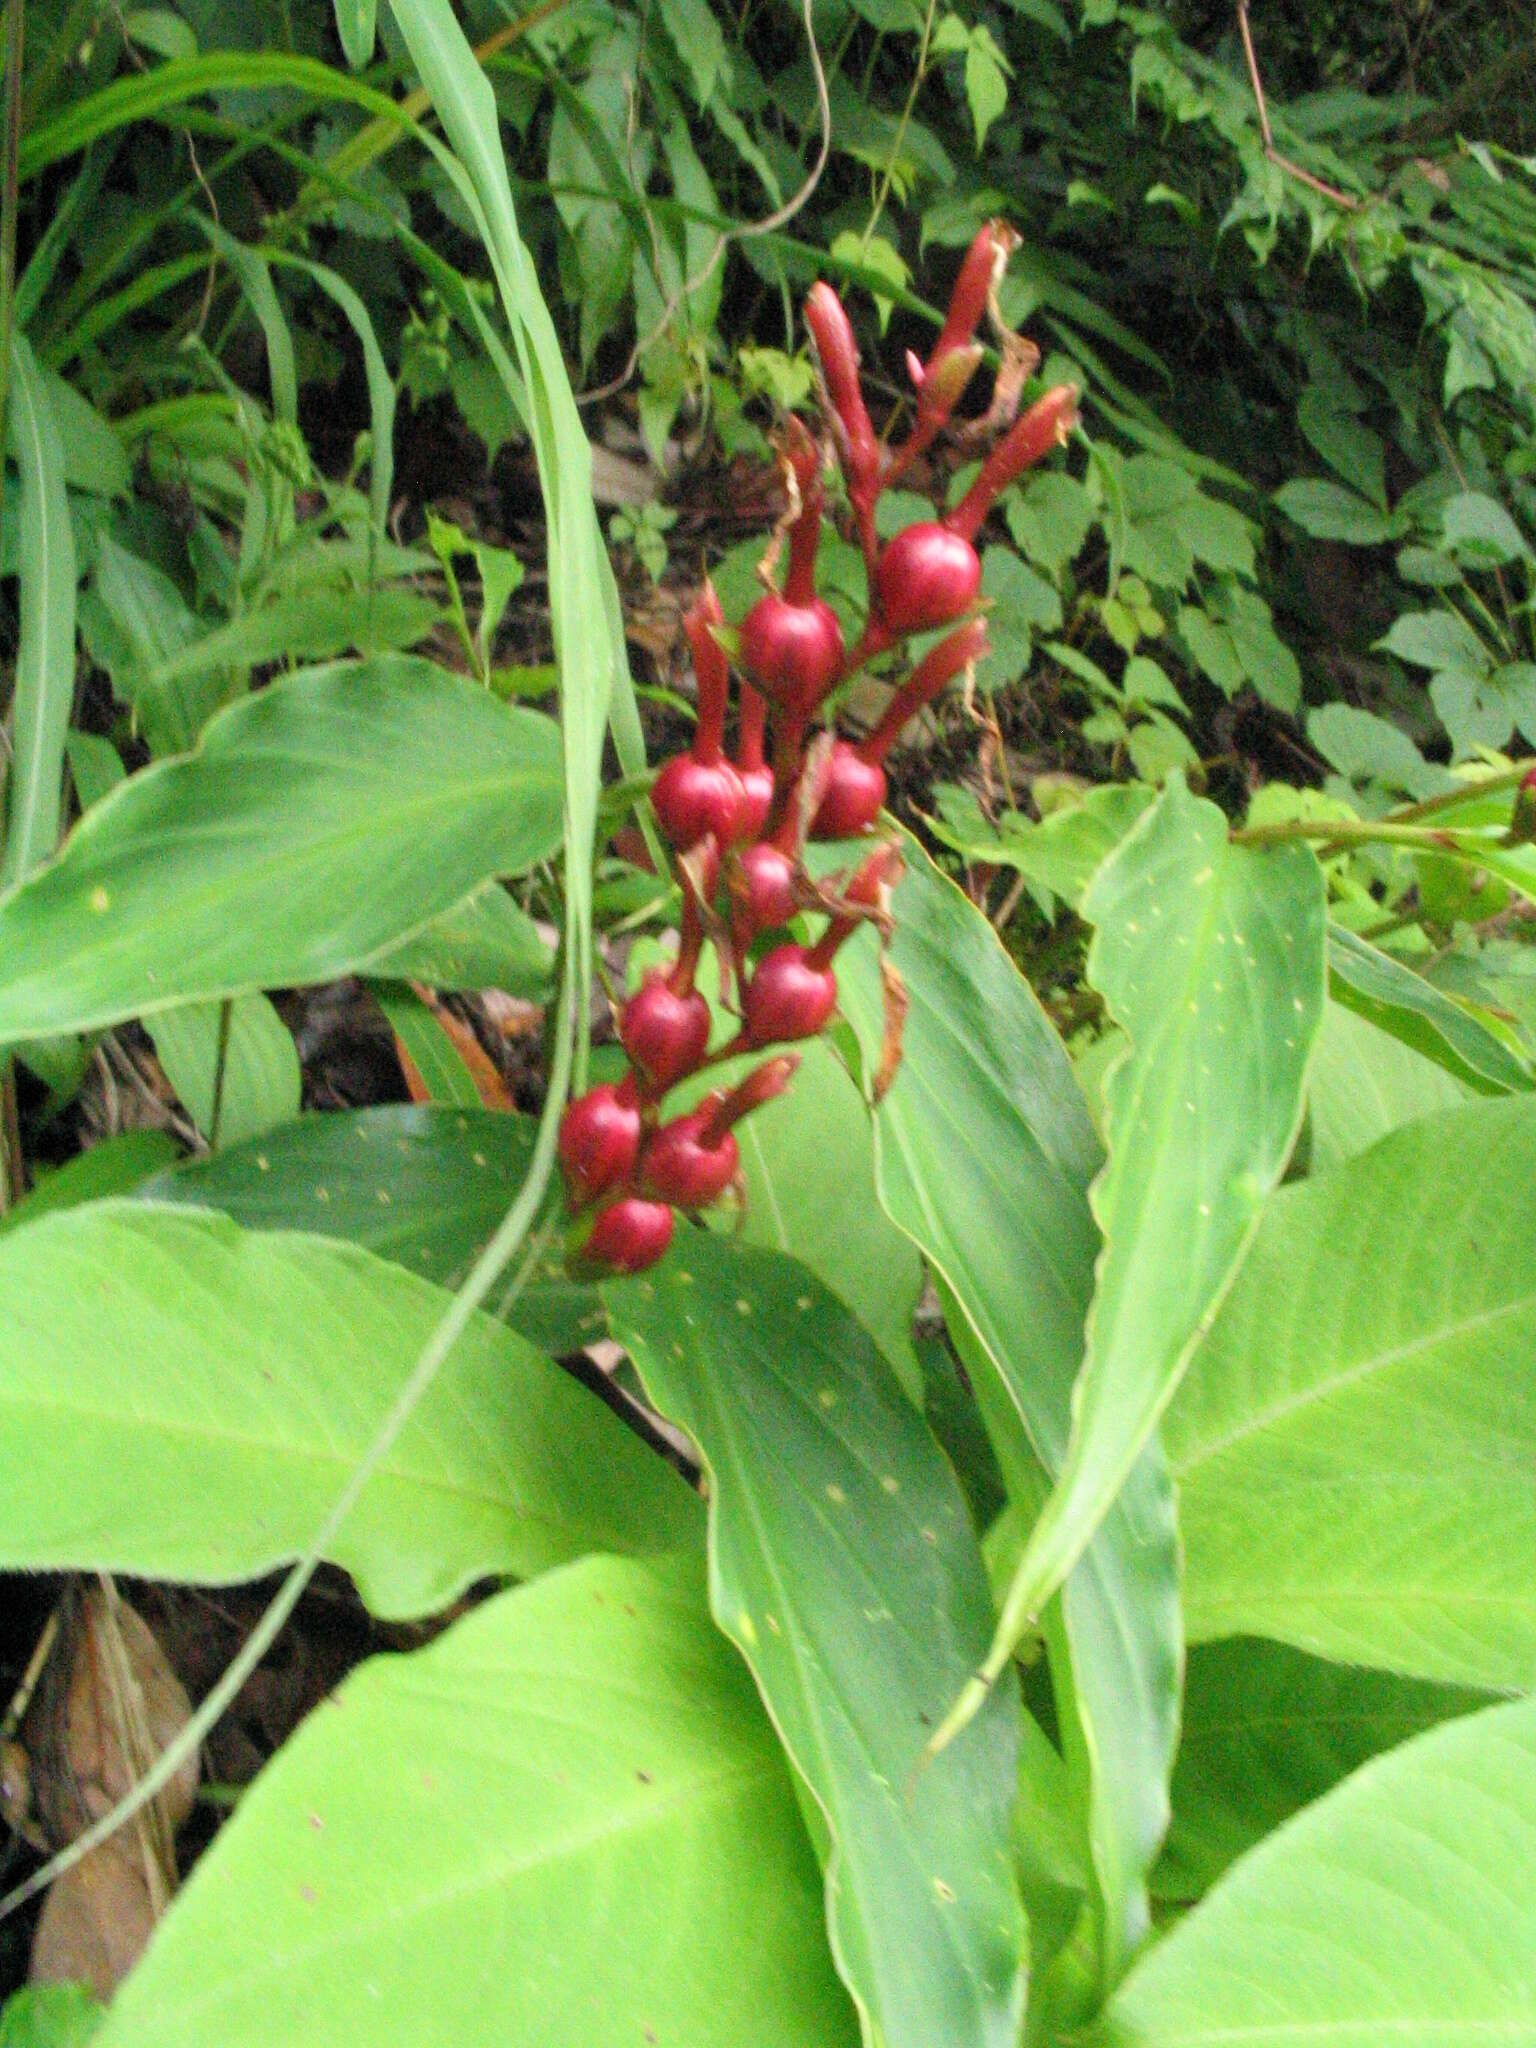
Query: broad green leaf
point(1402, 1907)
point(112, 1167)
point(844, 1567)
point(1479, 531)
point(419, 1185)
point(1370, 1381)
point(984, 1151)
point(1065, 850)
point(184, 1401)
point(1329, 512)
point(135, 622)
point(1436, 640)
point(1365, 748)
point(1210, 956)
point(255, 862)
point(565, 1821)
point(44, 683)
point(261, 1080)
point(1363, 1084)
point(50, 2016)
point(1268, 1730)
point(483, 942)
point(1349, 447)
point(1391, 996)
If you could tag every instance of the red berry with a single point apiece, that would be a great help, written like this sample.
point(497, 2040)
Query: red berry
point(925, 577)
point(665, 1033)
point(788, 997)
point(852, 796)
point(629, 1235)
point(599, 1139)
point(763, 890)
point(756, 801)
point(793, 652)
point(694, 799)
point(688, 1164)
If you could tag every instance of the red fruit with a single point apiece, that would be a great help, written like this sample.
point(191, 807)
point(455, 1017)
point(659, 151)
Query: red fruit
point(788, 997)
point(665, 1032)
point(793, 652)
point(599, 1140)
point(695, 799)
point(756, 801)
point(925, 577)
point(687, 1163)
point(763, 891)
point(854, 791)
point(629, 1235)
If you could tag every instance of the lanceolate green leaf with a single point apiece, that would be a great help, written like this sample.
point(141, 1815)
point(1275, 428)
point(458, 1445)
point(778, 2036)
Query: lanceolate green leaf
point(45, 655)
point(844, 1566)
point(1266, 1731)
point(1396, 1000)
point(255, 861)
point(1210, 956)
point(235, 1078)
point(567, 1821)
point(1355, 1441)
point(1402, 1907)
point(1363, 1084)
point(356, 24)
point(984, 1151)
point(423, 1186)
point(483, 942)
point(184, 1401)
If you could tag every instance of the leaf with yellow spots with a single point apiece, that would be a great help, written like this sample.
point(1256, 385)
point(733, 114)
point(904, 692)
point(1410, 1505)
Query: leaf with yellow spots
point(845, 1568)
point(1211, 957)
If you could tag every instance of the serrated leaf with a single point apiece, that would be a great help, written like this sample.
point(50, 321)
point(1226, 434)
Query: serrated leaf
point(858, 1597)
point(569, 1819)
point(185, 1401)
point(1479, 531)
point(1364, 747)
point(1050, 517)
point(417, 1184)
point(1370, 1380)
point(254, 862)
point(1436, 640)
point(1210, 956)
point(1350, 449)
point(1400, 1907)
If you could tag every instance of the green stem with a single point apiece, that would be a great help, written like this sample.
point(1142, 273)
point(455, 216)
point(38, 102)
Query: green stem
point(1337, 834)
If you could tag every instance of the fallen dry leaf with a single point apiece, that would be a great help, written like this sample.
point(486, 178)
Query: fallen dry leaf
point(96, 1920)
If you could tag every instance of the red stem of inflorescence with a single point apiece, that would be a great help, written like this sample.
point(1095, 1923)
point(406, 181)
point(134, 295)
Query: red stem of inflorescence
point(738, 831)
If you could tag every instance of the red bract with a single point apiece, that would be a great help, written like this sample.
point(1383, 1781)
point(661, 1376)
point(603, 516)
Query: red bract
point(838, 353)
point(926, 576)
point(629, 1235)
point(665, 1031)
point(599, 1140)
point(1047, 425)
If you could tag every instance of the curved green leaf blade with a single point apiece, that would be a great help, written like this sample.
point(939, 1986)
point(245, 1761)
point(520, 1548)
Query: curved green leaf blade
point(1372, 1380)
point(844, 1566)
point(356, 25)
point(185, 1401)
point(1405, 1005)
point(254, 862)
point(1266, 1731)
point(417, 1184)
point(261, 1083)
point(1210, 956)
point(1364, 1083)
point(566, 1821)
point(483, 942)
point(984, 1152)
point(44, 686)
point(1401, 1907)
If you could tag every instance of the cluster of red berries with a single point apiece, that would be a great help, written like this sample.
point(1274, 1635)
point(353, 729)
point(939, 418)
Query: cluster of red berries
point(738, 825)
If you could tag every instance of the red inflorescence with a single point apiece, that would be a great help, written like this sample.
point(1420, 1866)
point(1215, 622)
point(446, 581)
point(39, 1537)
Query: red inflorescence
point(738, 825)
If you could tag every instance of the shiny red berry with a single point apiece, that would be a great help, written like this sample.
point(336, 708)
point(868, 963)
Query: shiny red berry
point(853, 793)
point(694, 799)
point(688, 1163)
point(629, 1235)
point(762, 890)
point(665, 1032)
point(599, 1141)
point(788, 997)
point(792, 652)
point(925, 576)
